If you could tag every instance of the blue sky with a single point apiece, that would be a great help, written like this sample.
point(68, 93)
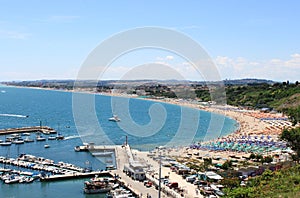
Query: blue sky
point(246, 39)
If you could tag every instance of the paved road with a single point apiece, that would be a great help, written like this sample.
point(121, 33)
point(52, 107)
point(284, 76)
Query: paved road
point(136, 186)
point(190, 189)
point(139, 188)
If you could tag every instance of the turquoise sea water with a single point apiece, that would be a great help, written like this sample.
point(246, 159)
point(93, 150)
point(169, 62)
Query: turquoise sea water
point(54, 109)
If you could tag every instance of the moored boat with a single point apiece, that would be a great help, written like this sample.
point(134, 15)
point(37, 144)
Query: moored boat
point(60, 137)
point(94, 187)
point(28, 140)
point(51, 137)
point(40, 138)
point(12, 179)
point(5, 143)
point(19, 141)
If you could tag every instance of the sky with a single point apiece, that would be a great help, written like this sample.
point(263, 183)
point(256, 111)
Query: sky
point(245, 39)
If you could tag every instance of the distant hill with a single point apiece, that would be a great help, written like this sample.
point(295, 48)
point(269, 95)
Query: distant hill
point(70, 83)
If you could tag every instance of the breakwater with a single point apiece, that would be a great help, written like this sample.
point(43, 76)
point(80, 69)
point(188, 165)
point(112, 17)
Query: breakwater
point(32, 129)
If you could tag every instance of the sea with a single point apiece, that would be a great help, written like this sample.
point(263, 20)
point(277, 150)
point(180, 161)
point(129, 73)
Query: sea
point(146, 124)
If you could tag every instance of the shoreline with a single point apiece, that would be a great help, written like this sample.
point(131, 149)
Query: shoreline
point(250, 122)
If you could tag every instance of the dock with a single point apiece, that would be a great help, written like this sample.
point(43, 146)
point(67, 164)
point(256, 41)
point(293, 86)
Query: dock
point(32, 129)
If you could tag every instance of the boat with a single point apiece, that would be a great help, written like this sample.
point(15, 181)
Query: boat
point(59, 137)
point(12, 179)
point(119, 193)
point(110, 167)
point(28, 140)
point(85, 147)
point(94, 187)
point(5, 143)
point(47, 146)
point(51, 137)
point(19, 141)
point(25, 179)
point(115, 118)
point(26, 134)
point(40, 138)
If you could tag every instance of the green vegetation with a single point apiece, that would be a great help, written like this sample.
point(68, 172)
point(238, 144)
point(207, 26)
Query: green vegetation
point(283, 183)
point(292, 137)
point(283, 97)
point(280, 96)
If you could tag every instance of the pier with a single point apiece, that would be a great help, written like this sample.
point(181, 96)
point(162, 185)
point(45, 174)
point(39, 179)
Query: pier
point(32, 129)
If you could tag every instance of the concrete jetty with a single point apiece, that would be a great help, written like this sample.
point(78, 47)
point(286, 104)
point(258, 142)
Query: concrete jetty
point(32, 129)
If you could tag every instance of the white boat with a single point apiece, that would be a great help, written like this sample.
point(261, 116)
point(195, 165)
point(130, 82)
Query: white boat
point(51, 138)
point(18, 142)
point(40, 138)
point(12, 180)
point(28, 140)
point(26, 134)
point(115, 118)
point(5, 143)
point(47, 146)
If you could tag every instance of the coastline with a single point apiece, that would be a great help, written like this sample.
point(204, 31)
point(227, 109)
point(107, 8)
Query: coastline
point(250, 121)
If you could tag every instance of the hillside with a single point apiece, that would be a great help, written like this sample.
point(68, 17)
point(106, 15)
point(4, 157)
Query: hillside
point(279, 96)
point(282, 183)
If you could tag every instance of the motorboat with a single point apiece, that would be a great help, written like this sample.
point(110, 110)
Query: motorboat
point(40, 138)
point(28, 140)
point(5, 143)
point(115, 118)
point(47, 146)
point(59, 137)
point(12, 179)
point(51, 137)
point(19, 141)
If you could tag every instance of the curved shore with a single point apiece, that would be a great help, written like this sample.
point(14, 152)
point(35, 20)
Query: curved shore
point(250, 122)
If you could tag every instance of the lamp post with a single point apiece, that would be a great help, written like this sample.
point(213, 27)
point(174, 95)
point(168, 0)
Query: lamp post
point(159, 172)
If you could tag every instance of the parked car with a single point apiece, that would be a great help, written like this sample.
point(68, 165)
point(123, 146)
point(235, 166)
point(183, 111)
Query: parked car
point(148, 183)
point(173, 185)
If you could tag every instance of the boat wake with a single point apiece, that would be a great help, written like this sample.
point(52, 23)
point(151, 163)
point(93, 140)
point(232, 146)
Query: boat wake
point(72, 137)
point(13, 115)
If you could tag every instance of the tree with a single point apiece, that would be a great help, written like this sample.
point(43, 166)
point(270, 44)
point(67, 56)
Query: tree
point(292, 137)
point(294, 115)
point(227, 165)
